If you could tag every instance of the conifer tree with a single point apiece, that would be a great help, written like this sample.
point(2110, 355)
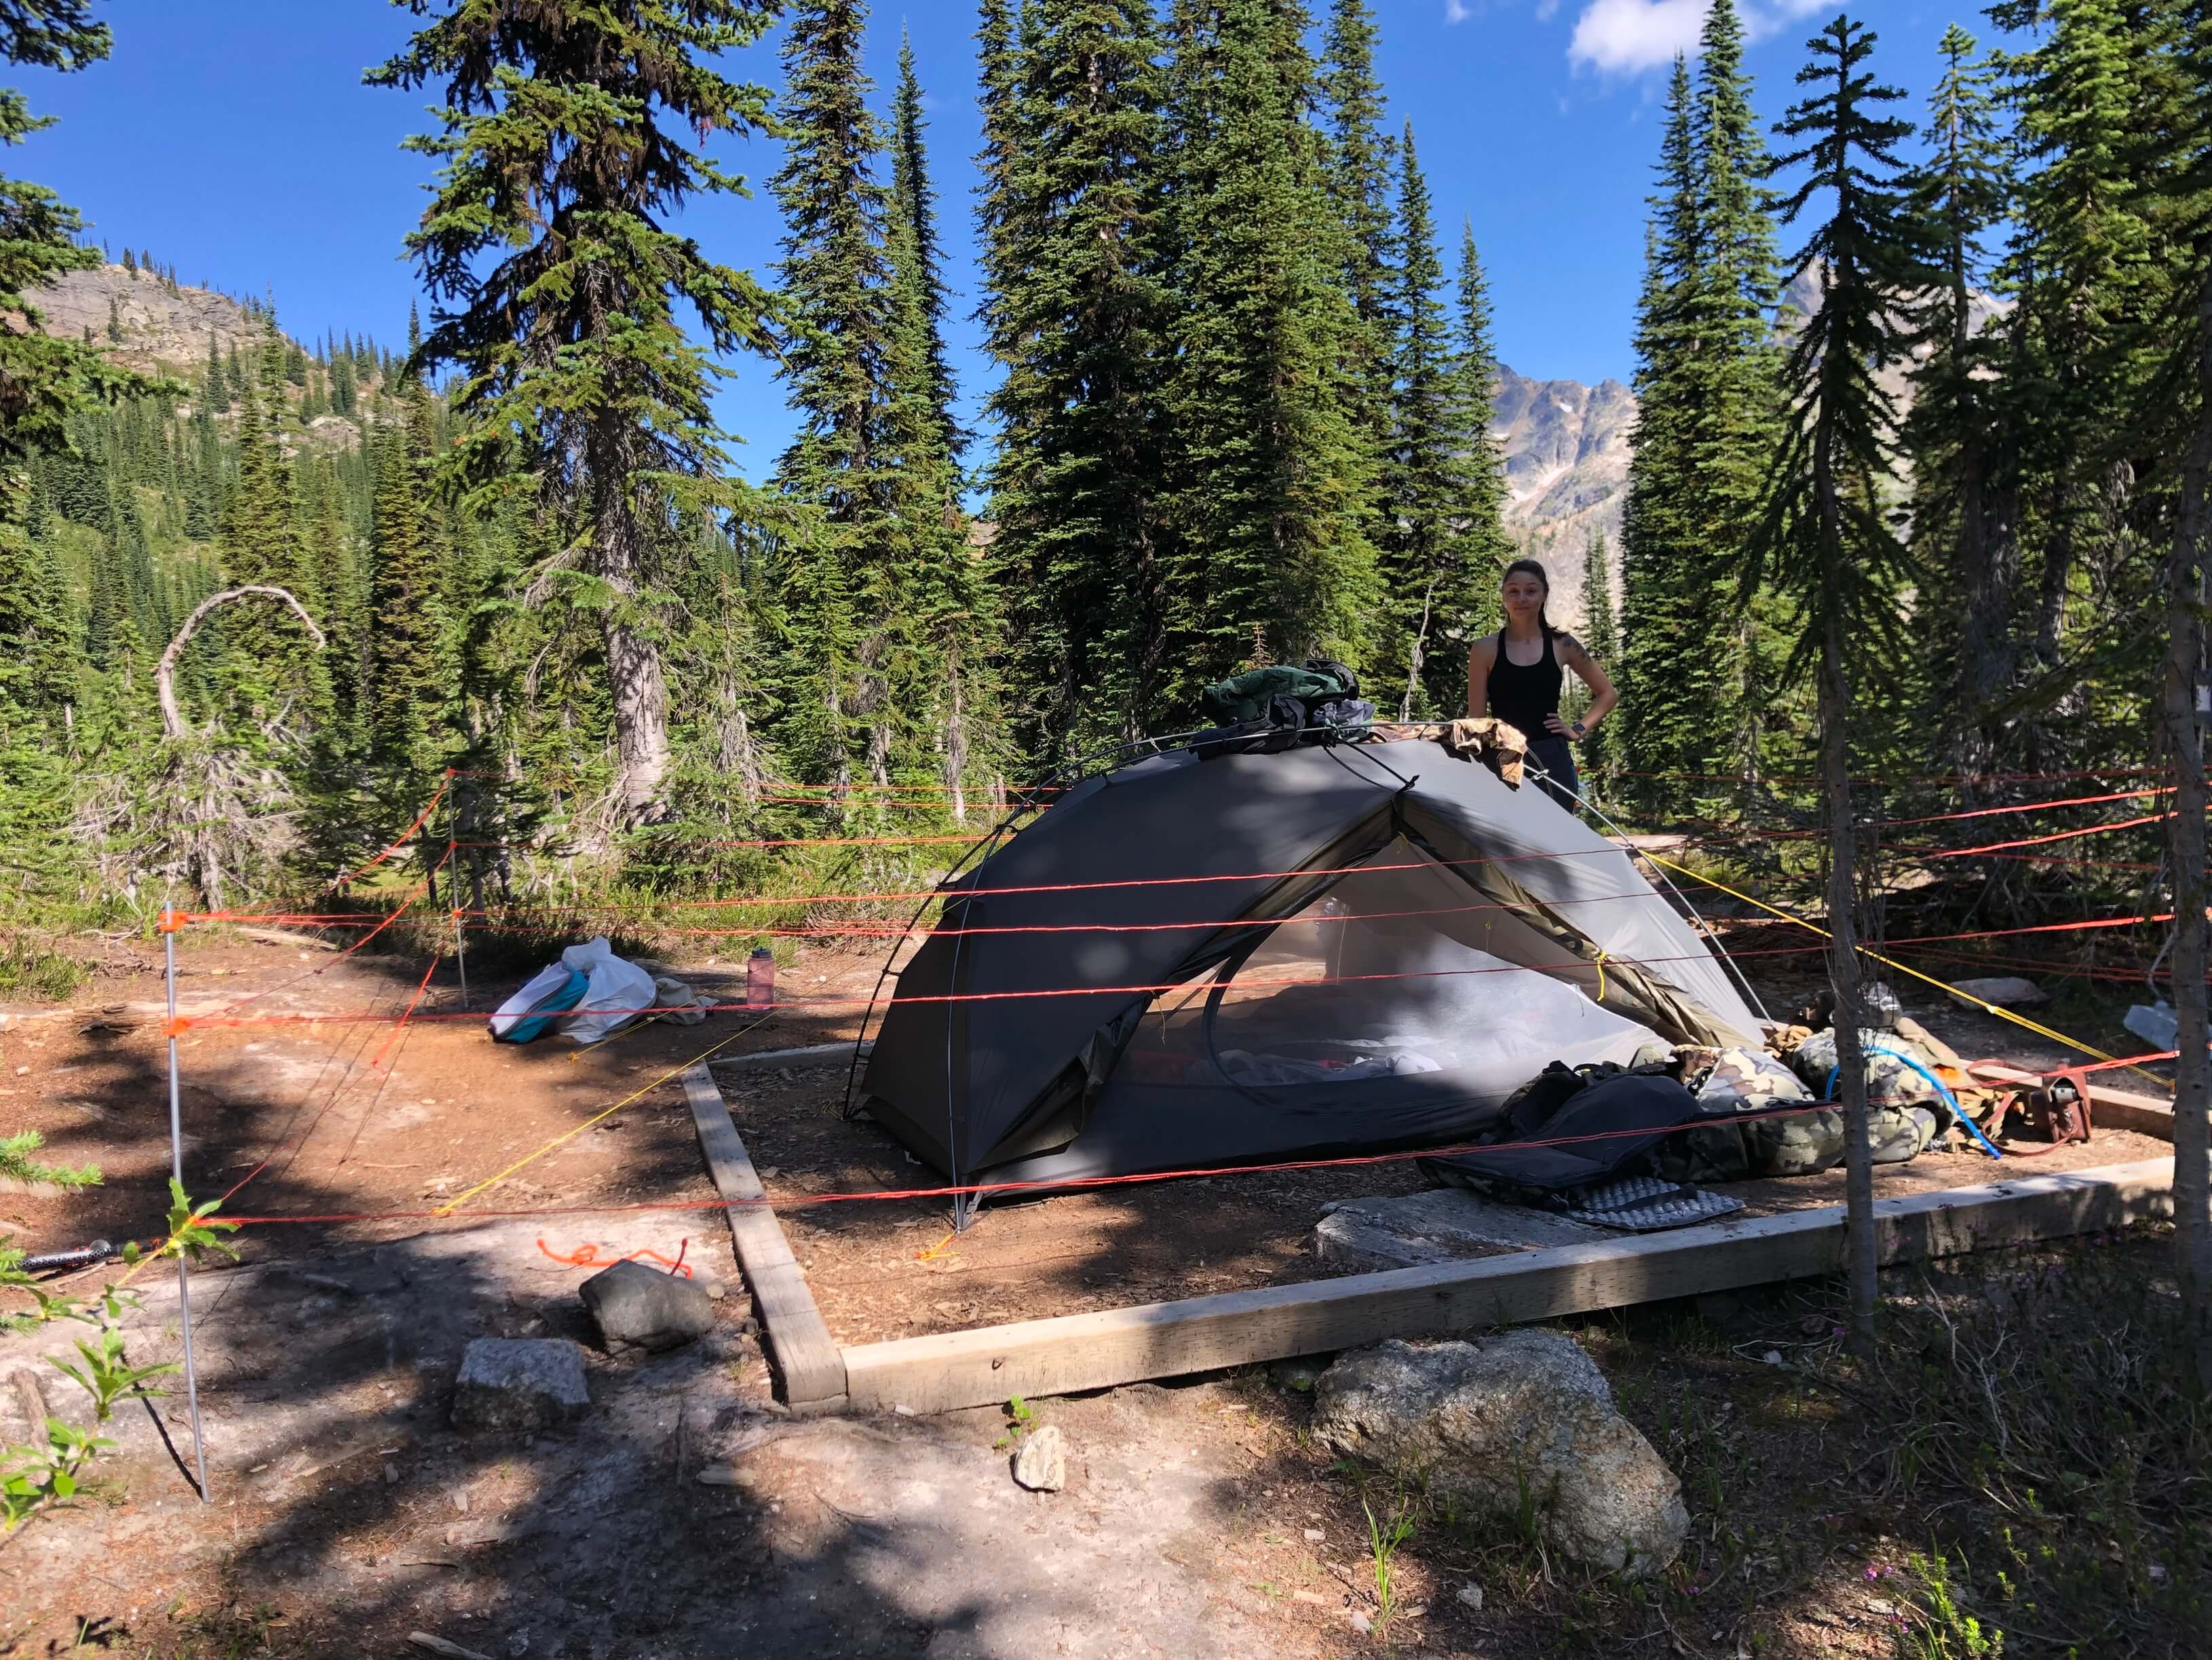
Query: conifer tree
point(1073, 223)
point(564, 154)
point(1671, 698)
point(914, 212)
point(1272, 476)
point(1440, 474)
point(1359, 165)
point(217, 391)
point(836, 279)
point(1601, 638)
point(1706, 418)
point(405, 682)
point(1482, 547)
point(1961, 192)
point(1823, 539)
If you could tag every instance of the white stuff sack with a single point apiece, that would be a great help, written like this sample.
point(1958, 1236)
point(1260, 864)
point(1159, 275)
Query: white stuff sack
point(616, 993)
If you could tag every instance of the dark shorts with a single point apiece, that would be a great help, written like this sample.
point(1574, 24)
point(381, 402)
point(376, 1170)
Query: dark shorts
point(1555, 755)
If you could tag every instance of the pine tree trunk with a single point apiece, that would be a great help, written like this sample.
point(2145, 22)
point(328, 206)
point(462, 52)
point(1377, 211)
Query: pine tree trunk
point(2192, 1090)
point(639, 689)
point(1860, 1264)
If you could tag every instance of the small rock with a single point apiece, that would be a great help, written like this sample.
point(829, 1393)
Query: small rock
point(1312, 1599)
point(1487, 1423)
point(1300, 1373)
point(1360, 1622)
point(1772, 1357)
point(519, 1383)
point(1881, 1605)
point(1315, 1535)
point(517, 1645)
point(2007, 991)
point(634, 1306)
point(391, 1473)
point(1471, 1594)
point(1040, 1465)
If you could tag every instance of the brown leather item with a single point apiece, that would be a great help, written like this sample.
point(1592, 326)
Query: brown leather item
point(2057, 1112)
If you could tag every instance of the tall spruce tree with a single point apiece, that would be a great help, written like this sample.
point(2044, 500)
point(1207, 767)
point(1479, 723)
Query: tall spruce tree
point(836, 278)
point(1706, 384)
point(1272, 477)
point(405, 687)
point(1360, 159)
point(1602, 639)
point(1824, 539)
point(563, 153)
point(1962, 191)
point(1482, 546)
point(1442, 482)
point(914, 215)
point(1080, 321)
point(1671, 686)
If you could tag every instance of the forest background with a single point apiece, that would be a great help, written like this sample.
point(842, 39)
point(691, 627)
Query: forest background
point(1243, 376)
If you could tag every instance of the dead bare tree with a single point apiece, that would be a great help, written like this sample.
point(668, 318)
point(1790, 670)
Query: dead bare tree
point(216, 807)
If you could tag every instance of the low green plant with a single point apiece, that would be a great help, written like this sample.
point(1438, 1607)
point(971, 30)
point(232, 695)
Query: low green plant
point(16, 1164)
point(1383, 1539)
point(1936, 1627)
point(30, 971)
point(1021, 1419)
point(33, 1476)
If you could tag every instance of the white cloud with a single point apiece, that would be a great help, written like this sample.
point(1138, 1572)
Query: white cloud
point(1626, 37)
point(1456, 12)
point(1547, 9)
point(1622, 36)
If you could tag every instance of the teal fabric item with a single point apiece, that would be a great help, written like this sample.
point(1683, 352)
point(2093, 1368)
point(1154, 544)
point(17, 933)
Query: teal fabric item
point(540, 1021)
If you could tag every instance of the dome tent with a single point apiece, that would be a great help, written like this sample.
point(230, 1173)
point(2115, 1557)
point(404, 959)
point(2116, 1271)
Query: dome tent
point(1323, 951)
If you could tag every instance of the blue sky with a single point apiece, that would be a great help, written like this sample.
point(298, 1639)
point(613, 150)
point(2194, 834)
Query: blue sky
point(235, 139)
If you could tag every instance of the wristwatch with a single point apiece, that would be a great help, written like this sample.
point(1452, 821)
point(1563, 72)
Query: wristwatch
point(1578, 729)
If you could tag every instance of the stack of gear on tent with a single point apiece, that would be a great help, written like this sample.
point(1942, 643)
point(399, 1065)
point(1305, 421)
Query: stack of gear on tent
point(1238, 952)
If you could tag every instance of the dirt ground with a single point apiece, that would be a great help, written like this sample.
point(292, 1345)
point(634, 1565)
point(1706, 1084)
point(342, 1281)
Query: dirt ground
point(347, 1514)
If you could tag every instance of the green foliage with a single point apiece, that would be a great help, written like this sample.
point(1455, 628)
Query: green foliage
point(1707, 380)
point(16, 1164)
point(1269, 477)
point(1075, 245)
point(562, 160)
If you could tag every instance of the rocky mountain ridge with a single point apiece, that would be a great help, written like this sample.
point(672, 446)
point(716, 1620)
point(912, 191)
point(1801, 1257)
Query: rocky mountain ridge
point(1566, 444)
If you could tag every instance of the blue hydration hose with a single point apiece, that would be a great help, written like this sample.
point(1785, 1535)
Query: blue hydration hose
point(1949, 1100)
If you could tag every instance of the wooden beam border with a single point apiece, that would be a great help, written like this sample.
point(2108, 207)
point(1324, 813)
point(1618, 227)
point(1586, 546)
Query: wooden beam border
point(1071, 1353)
point(793, 1332)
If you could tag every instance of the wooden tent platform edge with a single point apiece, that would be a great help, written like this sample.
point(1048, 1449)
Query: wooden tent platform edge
point(1069, 1353)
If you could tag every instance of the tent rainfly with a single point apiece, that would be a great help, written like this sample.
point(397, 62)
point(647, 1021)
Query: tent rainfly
point(1251, 957)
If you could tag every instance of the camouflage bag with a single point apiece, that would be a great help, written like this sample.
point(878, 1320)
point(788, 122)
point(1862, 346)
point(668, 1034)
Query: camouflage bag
point(1802, 1144)
point(1900, 1118)
point(1889, 1078)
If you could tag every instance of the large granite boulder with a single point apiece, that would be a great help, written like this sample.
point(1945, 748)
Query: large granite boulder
point(1525, 1413)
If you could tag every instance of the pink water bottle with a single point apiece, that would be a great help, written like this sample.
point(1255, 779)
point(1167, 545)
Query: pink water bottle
point(760, 979)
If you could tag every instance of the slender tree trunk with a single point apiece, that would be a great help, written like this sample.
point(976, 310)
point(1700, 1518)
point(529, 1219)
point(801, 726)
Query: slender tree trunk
point(1418, 659)
point(1860, 1266)
point(2184, 665)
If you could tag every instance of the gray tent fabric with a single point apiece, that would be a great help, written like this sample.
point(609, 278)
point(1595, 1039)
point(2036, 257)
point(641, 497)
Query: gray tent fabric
point(1153, 973)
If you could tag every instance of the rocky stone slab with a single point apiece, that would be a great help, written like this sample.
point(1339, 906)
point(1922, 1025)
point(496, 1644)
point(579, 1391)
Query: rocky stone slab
point(519, 1383)
point(1445, 1225)
point(1521, 1418)
point(2007, 991)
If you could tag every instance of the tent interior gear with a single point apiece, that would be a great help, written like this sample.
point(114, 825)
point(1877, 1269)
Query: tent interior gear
point(1252, 957)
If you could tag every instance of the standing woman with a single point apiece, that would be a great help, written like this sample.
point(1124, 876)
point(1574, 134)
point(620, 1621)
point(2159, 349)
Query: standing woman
point(1516, 674)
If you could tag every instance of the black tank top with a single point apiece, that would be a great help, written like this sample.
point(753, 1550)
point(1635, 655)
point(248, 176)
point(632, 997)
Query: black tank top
point(1522, 696)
